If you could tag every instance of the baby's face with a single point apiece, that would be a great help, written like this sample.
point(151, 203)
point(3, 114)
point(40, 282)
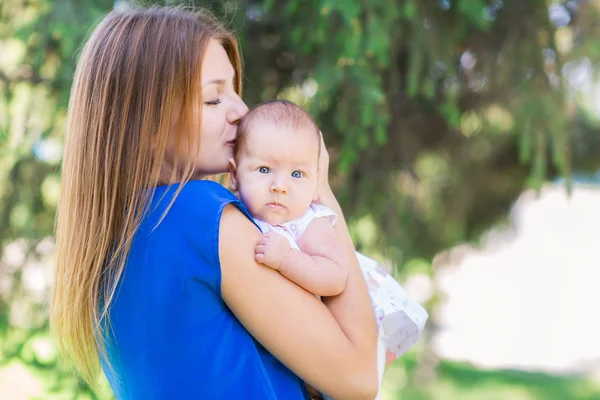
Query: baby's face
point(276, 175)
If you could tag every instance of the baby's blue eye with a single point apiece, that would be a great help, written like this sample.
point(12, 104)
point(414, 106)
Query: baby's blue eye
point(264, 170)
point(297, 174)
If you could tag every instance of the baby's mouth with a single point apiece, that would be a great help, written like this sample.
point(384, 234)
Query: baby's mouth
point(275, 205)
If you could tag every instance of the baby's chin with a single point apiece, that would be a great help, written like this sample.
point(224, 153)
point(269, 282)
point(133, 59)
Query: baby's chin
point(274, 220)
point(278, 219)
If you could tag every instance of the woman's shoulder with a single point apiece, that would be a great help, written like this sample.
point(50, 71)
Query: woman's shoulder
point(194, 197)
point(203, 191)
point(198, 203)
point(182, 227)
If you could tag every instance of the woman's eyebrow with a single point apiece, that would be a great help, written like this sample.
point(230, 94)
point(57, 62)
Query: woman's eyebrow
point(218, 81)
point(214, 82)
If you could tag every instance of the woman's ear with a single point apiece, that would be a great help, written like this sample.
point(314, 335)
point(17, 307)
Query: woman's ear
point(233, 175)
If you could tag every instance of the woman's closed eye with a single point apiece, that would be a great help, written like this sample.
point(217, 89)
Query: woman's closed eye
point(264, 170)
point(213, 102)
point(297, 174)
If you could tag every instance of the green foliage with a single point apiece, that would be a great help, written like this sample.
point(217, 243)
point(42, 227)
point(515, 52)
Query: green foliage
point(38, 44)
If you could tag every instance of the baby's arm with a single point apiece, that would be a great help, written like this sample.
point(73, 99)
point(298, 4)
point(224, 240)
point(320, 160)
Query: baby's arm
point(317, 268)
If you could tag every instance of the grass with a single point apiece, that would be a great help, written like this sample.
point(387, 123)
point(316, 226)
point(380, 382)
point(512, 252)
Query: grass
point(466, 382)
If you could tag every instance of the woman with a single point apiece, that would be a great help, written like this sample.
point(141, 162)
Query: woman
point(156, 275)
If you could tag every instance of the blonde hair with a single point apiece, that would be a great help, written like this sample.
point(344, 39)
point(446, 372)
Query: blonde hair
point(139, 67)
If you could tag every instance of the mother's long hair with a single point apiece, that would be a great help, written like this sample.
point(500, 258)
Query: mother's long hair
point(137, 81)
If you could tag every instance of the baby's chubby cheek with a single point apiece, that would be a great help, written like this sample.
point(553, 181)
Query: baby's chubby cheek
point(247, 200)
point(255, 207)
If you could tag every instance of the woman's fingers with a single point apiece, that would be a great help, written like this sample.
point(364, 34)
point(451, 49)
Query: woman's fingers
point(323, 174)
point(324, 155)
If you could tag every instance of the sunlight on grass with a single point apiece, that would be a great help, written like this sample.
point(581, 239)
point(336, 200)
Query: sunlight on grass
point(465, 382)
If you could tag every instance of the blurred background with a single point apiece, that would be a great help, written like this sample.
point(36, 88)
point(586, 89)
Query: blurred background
point(465, 145)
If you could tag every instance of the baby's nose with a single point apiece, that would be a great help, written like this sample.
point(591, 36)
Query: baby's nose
point(279, 186)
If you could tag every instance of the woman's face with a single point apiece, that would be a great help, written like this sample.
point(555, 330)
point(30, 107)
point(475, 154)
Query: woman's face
point(222, 109)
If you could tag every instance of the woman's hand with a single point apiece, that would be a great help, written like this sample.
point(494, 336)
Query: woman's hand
point(323, 189)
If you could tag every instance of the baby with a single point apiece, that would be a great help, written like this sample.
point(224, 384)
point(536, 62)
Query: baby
point(275, 174)
point(274, 171)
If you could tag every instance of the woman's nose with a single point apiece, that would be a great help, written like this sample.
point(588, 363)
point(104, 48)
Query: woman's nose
point(237, 111)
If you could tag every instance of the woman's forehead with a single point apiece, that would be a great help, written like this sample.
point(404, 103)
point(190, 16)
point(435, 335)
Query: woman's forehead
point(216, 67)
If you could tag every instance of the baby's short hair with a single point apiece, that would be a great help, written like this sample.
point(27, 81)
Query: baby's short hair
point(278, 112)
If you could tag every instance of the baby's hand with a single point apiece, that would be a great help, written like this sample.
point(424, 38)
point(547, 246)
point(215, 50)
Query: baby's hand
point(271, 249)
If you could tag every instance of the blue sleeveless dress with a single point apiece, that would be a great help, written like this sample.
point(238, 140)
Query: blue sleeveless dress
point(171, 334)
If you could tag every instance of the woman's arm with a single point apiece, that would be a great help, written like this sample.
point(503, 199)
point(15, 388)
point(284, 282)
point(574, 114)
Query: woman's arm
point(333, 350)
point(354, 302)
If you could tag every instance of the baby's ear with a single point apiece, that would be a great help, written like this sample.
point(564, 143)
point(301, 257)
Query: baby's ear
point(232, 175)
